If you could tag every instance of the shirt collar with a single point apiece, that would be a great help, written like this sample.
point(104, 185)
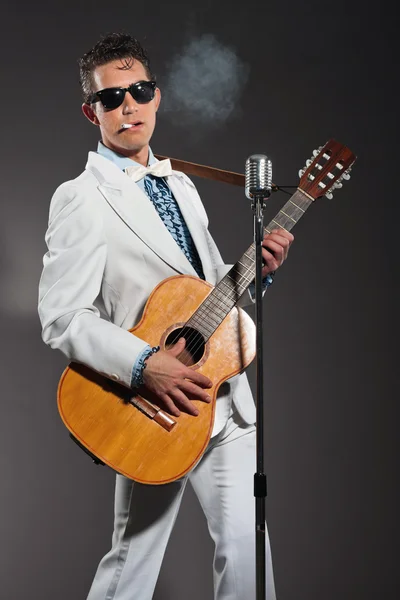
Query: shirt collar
point(121, 161)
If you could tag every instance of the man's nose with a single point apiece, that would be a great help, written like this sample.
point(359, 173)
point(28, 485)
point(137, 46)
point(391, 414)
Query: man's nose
point(130, 105)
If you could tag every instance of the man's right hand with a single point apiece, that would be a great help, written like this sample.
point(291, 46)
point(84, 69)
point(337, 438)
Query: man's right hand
point(171, 381)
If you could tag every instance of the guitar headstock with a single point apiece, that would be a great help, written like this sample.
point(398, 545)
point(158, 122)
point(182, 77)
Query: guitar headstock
point(326, 170)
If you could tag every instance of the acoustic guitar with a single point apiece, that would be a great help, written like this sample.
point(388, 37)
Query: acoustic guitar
point(129, 432)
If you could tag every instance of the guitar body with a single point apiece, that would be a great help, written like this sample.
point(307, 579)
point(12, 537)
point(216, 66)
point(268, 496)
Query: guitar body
point(99, 412)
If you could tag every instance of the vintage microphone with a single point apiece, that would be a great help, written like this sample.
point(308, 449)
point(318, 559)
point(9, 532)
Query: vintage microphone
point(258, 186)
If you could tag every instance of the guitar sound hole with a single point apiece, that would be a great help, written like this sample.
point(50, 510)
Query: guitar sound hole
point(195, 344)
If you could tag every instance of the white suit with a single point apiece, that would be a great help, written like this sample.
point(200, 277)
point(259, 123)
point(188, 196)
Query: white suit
point(108, 249)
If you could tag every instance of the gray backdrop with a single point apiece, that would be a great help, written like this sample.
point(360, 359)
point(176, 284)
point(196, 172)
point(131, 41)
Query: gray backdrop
point(301, 74)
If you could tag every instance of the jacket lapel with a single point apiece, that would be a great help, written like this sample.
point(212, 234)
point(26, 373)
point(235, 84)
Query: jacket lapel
point(137, 211)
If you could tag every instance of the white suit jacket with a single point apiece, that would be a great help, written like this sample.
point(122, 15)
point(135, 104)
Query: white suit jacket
point(107, 250)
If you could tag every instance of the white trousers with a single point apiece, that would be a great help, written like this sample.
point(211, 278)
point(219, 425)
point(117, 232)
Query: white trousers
point(145, 516)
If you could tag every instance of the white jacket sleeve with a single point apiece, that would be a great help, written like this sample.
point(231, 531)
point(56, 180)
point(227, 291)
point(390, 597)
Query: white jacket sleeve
point(70, 284)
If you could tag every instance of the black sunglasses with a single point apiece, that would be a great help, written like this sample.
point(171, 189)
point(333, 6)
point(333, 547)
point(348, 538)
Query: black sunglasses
point(142, 91)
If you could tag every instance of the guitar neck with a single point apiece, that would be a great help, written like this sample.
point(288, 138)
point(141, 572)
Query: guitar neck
point(231, 288)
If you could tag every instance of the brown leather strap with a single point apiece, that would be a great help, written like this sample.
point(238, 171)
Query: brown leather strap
point(207, 172)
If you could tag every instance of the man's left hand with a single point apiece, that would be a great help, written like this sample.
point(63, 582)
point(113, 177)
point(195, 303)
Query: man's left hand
point(275, 249)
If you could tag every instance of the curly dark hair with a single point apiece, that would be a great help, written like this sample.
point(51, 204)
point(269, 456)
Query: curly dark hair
point(112, 46)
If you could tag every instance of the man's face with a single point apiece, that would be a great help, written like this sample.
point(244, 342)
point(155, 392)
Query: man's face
point(132, 142)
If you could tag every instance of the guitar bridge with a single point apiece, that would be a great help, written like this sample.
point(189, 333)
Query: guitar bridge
point(153, 412)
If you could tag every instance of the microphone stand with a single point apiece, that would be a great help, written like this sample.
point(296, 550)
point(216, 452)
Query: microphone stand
point(260, 479)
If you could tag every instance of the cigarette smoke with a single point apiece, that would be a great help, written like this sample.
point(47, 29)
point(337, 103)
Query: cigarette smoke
point(204, 84)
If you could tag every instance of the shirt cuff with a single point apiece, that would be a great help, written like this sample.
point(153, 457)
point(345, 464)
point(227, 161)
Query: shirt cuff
point(266, 282)
point(137, 370)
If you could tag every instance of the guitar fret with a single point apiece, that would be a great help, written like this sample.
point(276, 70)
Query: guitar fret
point(243, 276)
point(220, 296)
point(232, 277)
point(288, 216)
point(208, 317)
point(243, 265)
point(245, 271)
point(291, 201)
point(301, 200)
point(219, 301)
point(205, 331)
point(247, 280)
point(296, 211)
point(220, 311)
point(224, 296)
point(195, 322)
point(226, 284)
point(237, 283)
point(251, 259)
point(205, 313)
point(279, 224)
point(222, 306)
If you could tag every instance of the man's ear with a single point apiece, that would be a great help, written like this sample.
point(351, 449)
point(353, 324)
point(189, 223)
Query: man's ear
point(90, 114)
point(157, 97)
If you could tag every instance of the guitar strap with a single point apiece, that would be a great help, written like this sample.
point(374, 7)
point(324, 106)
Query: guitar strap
point(208, 172)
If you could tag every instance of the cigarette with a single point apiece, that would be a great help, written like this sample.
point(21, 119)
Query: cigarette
point(126, 126)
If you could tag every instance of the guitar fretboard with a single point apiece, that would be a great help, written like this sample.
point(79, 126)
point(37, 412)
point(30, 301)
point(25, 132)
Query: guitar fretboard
point(229, 290)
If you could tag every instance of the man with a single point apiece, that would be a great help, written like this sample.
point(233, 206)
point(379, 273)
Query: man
point(114, 233)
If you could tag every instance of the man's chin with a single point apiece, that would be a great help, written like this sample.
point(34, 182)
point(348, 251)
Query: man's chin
point(128, 148)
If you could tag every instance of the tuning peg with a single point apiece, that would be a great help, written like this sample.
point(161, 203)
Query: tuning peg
point(316, 152)
point(336, 185)
point(304, 169)
point(346, 175)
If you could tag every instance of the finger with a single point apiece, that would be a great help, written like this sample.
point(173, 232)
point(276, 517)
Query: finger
point(281, 236)
point(184, 403)
point(277, 245)
point(270, 263)
point(275, 249)
point(177, 348)
point(278, 238)
point(198, 378)
point(195, 391)
point(271, 259)
point(170, 405)
point(284, 233)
